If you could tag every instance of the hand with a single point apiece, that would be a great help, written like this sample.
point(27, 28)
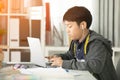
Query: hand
point(56, 61)
point(49, 57)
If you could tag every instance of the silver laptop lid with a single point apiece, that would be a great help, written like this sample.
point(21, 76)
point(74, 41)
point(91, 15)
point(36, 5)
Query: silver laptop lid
point(36, 53)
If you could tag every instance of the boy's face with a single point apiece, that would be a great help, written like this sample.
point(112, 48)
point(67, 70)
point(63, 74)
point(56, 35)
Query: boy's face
point(73, 29)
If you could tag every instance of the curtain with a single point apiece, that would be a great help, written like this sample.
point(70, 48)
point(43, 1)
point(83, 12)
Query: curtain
point(117, 23)
point(106, 19)
point(109, 20)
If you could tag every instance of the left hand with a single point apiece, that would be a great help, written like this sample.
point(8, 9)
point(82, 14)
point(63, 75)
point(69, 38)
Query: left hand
point(56, 61)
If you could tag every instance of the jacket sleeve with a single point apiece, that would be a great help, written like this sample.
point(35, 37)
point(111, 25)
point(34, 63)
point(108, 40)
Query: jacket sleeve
point(94, 61)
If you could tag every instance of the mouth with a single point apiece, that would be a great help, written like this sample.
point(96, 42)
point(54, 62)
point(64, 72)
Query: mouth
point(69, 36)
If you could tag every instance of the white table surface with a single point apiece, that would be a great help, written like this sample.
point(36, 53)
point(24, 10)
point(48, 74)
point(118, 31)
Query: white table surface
point(44, 74)
point(82, 75)
point(60, 74)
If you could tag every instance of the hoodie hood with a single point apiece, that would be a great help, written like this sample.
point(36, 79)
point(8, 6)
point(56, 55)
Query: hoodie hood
point(106, 42)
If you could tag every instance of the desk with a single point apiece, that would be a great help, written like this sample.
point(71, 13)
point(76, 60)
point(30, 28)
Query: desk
point(50, 74)
point(84, 75)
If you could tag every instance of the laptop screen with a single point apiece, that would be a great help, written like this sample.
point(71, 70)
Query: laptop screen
point(36, 53)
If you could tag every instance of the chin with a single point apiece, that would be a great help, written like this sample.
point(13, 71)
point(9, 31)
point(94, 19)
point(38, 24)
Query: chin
point(74, 39)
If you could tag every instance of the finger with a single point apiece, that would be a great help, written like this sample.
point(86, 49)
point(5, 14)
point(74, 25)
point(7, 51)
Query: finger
point(47, 57)
point(52, 60)
point(53, 64)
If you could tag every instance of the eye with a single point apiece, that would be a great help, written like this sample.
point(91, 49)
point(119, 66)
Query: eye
point(69, 26)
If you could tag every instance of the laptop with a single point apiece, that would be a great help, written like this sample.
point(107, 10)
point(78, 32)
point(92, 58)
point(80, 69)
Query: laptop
point(36, 54)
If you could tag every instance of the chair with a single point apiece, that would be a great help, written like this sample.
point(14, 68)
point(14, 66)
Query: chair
point(118, 69)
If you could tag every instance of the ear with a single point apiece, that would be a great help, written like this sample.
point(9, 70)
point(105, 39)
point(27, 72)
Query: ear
point(83, 25)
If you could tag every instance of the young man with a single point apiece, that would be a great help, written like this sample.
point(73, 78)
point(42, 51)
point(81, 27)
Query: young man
point(88, 50)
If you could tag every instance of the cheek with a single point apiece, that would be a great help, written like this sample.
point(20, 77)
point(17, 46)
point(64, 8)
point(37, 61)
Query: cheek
point(67, 30)
point(77, 33)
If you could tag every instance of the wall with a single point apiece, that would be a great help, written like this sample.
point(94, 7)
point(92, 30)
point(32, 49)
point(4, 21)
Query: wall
point(59, 7)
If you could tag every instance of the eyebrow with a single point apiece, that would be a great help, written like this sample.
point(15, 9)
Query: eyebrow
point(66, 24)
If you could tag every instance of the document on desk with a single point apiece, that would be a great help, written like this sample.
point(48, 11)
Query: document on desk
point(48, 72)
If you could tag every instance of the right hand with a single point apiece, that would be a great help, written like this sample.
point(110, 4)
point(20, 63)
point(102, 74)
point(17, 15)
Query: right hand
point(55, 60)
point(50, 57)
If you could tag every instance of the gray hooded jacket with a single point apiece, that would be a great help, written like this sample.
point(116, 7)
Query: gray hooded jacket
point(98, 60)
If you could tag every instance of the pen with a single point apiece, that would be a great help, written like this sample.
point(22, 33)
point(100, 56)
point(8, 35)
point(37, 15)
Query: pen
point(66, 70)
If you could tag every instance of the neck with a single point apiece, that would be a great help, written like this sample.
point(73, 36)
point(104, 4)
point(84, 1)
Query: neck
point(84, 34)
